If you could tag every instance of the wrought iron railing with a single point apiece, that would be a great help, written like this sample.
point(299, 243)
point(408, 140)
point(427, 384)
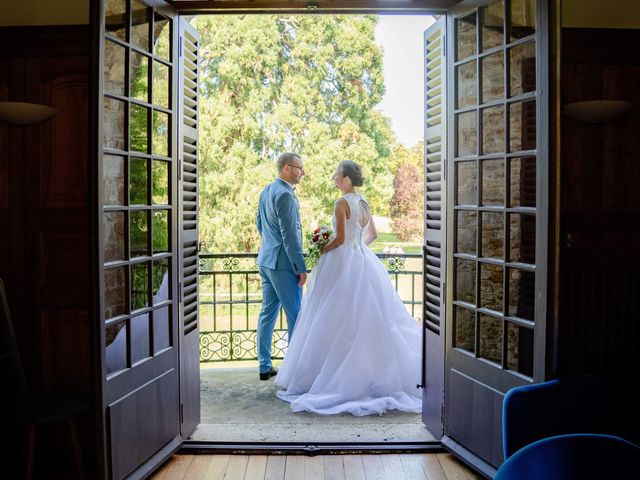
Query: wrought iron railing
point(230, 300)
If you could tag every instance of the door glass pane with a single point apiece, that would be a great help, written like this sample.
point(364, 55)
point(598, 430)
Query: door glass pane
point(161, 329)
point(467, 133)
point(138, 181)
point(466, 36)
point(139, 338)
point(465, 330)
point(491, 338)
point(521, 294)
point(140, 23)
point(520, 349)
point(113, 126)
point(139, 232)
point(139, 77)
point(115, 60)
point(493, 182)
point(113, 179)
point(160, 175)
point(465, 280)
point(493, 77)
point(522, 69)
point(523, 18)
point(160, 231)
point(467, 183)
point(492, 25)
point(466, 231)
point(160, 133)
point(113, 236)
point(491, 286)
point(493, 235)
point(467, 84)
point(493, 130)
point(162, 36)
point(116, 347)
point(139, 286)
point(115, 18)
point(139, 128)
point(115, 292)
point(522, 238)
point(160, 84)
point(522, 184)
point(522, 124)
point(160, 281)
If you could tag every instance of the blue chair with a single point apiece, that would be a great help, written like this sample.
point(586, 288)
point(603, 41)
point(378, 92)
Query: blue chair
point(575, 456)
point(569, 405)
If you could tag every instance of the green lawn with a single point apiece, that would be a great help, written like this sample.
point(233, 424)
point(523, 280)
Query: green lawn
point(389, 239)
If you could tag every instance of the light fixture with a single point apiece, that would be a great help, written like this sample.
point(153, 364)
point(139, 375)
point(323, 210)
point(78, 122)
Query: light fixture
point(596, 111)
point(21, 113)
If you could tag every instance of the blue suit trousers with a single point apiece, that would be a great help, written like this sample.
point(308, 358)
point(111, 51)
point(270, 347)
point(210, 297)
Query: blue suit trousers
point(279, 288)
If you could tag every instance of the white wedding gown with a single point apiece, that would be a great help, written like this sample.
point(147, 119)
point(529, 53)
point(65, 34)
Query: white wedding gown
point(355, 348)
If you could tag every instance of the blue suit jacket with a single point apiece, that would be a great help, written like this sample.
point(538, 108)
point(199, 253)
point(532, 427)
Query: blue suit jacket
point(280, 229)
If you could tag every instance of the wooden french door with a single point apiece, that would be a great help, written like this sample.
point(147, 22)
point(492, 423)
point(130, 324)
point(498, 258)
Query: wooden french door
point(147, 291)
point(496, 56)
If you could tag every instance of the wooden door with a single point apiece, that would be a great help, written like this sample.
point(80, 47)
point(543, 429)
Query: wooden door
point(138, 228)
point(497, 211)
point(434, 226)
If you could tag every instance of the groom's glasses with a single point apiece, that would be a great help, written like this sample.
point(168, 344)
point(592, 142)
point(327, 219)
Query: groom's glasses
point(295, 166)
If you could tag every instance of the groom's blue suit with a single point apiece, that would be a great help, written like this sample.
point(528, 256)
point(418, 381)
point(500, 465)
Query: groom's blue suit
point(281, 262)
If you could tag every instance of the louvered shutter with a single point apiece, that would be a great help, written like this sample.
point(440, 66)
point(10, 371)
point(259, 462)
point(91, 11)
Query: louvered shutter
point(188, 191)
point(434, 231)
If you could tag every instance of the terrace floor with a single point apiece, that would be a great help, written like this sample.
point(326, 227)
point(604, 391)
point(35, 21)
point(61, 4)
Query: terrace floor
point(237, 407)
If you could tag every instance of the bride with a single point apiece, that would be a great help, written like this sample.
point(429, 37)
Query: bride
point(355, 348)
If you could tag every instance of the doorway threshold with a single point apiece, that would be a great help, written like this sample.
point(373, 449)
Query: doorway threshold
point(292, 448)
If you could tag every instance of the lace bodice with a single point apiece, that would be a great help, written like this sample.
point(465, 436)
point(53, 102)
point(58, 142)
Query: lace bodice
point(358, 221)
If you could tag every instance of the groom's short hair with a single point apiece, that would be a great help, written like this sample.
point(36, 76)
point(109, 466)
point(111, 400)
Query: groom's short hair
point(285, 159)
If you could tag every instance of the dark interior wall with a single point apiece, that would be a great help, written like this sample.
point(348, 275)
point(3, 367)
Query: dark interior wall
point(599, 312)
point(43, 210)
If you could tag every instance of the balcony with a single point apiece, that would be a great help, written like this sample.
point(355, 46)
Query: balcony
point(230, 301)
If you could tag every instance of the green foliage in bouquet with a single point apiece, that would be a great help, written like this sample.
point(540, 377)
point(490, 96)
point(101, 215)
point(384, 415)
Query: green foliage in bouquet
point(316, 240)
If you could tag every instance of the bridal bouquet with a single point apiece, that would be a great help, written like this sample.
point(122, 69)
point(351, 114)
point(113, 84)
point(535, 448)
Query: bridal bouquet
point(317, 240)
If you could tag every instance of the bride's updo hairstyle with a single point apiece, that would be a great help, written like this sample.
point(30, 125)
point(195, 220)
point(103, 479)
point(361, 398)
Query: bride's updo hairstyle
point(353, 171)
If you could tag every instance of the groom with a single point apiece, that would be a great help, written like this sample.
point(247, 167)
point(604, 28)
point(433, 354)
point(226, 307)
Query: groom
point(282, 268)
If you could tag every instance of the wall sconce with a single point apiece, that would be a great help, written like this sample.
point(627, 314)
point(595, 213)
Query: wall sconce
point(596, 111)
point(20, 113)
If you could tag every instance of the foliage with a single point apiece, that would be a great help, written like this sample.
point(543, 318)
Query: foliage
point(316, 240)
point(271, 84)
point(406, 207)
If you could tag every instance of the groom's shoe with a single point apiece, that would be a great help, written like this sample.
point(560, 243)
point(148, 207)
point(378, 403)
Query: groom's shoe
point(267, 375)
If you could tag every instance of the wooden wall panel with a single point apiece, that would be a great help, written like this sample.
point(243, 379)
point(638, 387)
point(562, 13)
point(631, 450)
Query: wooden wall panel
point(4, 157)
point(45, 235)
point(64, 176)
point(600, 219)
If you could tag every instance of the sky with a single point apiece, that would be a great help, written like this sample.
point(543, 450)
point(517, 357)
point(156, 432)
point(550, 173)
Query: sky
point(401, 39)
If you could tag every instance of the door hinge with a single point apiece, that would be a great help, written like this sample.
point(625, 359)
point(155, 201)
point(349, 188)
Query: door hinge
point(179, 292)
point(442, 412)
point(179, 168)
point(181, 412)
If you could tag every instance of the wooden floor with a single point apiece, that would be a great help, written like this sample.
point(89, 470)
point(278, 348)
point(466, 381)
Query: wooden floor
point(441, 466)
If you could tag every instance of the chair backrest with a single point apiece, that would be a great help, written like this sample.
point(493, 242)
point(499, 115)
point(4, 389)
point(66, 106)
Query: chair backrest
point(569, 405)
point(573, 457)
point(11, 373)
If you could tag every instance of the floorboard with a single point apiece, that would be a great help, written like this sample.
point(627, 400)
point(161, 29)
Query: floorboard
point(441, 466)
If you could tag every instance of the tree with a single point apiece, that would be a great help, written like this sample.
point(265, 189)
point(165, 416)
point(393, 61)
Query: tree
point(270, 84)
point(407, 207)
